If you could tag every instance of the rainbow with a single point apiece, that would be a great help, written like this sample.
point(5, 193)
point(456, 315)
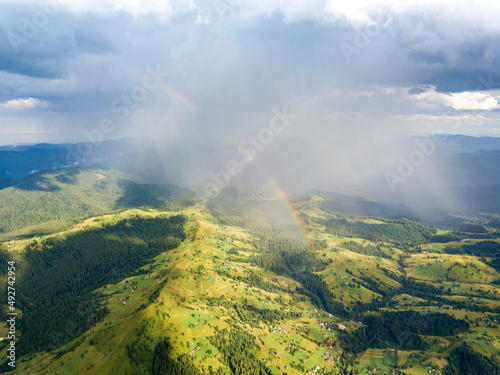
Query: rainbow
point(165, 87)
point(179, 96)
point(288, 204)
point(244, 151)
point(278, 190)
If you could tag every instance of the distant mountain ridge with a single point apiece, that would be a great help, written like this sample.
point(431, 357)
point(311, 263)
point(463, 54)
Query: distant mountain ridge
point(461, 144)
point(143, 156)
point(460, 175)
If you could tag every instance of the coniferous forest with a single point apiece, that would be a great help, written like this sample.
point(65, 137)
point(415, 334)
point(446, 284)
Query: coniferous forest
point(57, 277)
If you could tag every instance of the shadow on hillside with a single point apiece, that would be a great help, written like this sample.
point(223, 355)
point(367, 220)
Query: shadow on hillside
point(68, 178)
point(48, 181)
point(139, 195)
point(5, 183)
point(167, 197)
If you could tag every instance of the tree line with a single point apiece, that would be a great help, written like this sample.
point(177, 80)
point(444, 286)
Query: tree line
point(400, 330)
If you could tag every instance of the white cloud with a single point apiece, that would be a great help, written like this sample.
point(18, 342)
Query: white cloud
point(137, 8)
point(482, 14)
point(467, 100)
point(473, 100)
point(218, 64)
point(24, 104)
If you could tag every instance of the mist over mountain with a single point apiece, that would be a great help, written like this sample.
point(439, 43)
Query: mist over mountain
point(462, 144)
point(447, 172)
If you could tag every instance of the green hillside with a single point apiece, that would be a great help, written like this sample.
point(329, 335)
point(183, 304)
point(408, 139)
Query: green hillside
point(48, 201)
point(208, 290)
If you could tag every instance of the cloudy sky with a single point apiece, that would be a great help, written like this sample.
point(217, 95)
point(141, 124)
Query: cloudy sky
point(73, 70)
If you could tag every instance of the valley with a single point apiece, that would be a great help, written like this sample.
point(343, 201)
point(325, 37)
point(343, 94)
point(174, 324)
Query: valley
point(229, 291)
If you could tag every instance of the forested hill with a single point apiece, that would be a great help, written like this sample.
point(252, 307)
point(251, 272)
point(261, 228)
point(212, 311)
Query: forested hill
point(57, 276)
point(232, 286)
point(47, 201)
point(353, 205)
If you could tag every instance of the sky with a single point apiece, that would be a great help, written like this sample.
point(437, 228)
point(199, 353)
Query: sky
point(220, 70)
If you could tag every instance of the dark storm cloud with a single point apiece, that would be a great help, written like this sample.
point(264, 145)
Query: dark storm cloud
point(46, 49)
point(237, 61)
point(448, 55)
